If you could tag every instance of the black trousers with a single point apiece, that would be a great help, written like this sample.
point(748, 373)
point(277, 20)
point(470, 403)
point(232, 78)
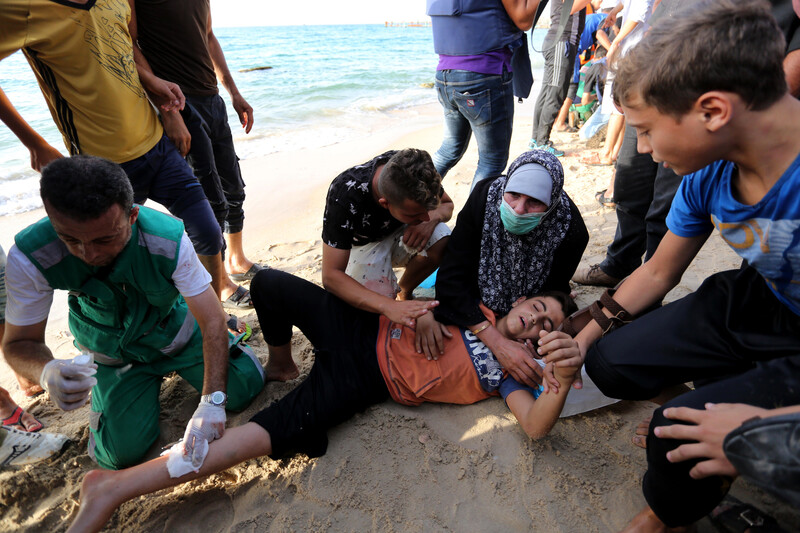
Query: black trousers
point(643, 191)
point(559, 65)
point(345, 378)
point(738, 344)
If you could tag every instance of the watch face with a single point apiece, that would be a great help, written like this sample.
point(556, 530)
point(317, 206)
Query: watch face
point(217, 398)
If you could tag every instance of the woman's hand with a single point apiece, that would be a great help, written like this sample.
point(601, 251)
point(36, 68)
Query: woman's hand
point(516, 358)
point(430, 336)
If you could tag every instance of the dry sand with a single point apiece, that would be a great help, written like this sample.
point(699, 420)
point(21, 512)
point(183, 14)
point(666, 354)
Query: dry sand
point(392, 468)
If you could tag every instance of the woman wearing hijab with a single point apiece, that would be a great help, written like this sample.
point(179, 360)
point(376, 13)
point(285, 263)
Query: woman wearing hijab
point(517, 235)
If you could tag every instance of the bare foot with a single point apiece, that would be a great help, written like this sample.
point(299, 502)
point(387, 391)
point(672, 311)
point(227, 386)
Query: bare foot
point(281, 372)
point(640, 437)
point(239, 266)
point(97, 501)
point(647, 522)
point(29, 388)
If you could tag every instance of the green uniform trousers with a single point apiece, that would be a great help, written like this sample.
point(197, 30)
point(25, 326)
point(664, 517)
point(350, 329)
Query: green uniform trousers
point(125, 404)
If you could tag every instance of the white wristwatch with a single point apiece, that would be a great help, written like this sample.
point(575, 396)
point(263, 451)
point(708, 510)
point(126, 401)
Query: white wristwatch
point(217, 398)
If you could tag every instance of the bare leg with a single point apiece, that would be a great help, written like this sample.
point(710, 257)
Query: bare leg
point(281, 366)
point(646, 522)
point(236, 262)
point(618, 144)
point(616, 124)
point(562, 116)
point(102, 491)
point(610, 189)
point(419, 268)
point(220, 281)
point(7, 404)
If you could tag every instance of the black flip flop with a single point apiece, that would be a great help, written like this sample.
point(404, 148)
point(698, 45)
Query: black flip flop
point(240, 299)
point(605, 201)
point(249, 275)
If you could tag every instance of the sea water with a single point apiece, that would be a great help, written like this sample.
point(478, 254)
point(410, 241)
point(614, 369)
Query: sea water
point(324, 84)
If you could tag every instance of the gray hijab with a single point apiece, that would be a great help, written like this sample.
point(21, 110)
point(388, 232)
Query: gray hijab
point(511, 265)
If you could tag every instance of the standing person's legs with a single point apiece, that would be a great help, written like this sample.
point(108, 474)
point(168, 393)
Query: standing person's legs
point(548, 53)
point(664, 189)
point(479, 103)
point(556, 88)
point(633, 193)
point(230, 177)
point(165, 177)
point(492, 128)
point(457, 130)
point(201, 159)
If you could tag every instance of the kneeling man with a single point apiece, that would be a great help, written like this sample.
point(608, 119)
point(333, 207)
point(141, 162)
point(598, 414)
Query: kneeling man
point(137, 294)
point(388, 212)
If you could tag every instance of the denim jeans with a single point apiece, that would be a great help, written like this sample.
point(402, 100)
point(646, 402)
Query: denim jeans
point(475, 103)
point(163, 176)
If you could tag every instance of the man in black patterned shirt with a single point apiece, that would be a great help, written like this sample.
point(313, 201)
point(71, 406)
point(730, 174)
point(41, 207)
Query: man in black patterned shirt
point(388, 212)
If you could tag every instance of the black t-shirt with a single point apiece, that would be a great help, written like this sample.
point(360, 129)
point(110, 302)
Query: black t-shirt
point(352, 216)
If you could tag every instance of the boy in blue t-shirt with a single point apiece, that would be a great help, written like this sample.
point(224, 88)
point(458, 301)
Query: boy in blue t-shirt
point(715, 109)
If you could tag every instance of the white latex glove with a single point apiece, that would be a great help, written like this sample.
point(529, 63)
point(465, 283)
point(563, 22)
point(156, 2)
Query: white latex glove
point(68, 383)
point(207, 424)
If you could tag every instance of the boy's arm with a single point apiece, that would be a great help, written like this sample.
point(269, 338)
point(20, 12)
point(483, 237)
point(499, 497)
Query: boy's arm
point(241, 106)
point(647, 285)
point(41, 152)
point(339, 283)
point(538, 416)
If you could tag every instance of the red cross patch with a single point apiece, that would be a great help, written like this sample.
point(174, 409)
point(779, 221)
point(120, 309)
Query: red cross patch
point(470, 102)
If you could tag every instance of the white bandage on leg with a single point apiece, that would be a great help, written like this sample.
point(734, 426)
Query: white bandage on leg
point(179, 464)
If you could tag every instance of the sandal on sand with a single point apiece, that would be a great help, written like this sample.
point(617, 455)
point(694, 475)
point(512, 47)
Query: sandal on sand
point(605, 201)
point(15, 421)
point(240, 299)
point(249, 275)
point(734, 516)
point(239, 327)
point(593, 159)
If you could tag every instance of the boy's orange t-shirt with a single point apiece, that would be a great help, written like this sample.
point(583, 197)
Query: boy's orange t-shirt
point(412, 379)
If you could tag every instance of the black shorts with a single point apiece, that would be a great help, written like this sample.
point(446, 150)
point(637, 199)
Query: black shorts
point(340, 384)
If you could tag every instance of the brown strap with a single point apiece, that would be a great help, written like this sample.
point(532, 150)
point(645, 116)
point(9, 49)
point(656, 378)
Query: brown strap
point(573, 324)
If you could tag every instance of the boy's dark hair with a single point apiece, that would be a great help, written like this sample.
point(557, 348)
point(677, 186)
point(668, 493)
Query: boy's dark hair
point(568, 305)
point(715, 45)
point(410, 174)
point(83, 187)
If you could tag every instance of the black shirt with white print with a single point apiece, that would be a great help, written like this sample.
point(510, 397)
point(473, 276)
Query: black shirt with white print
point(352, 216)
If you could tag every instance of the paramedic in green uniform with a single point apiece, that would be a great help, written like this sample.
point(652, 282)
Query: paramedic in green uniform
point(139, 302)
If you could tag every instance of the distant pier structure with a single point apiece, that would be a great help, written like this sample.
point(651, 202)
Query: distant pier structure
point(423, 24)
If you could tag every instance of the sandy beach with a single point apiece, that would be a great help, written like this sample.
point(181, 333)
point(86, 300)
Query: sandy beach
point(392, 468)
